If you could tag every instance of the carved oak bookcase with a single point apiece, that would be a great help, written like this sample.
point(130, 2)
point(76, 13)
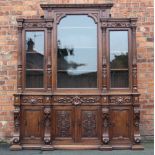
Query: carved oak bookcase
point(77, 80)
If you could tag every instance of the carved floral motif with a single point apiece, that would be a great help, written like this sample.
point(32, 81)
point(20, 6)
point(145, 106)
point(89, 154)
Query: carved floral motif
point(76, 100)
point(32, 99)
point(120, 99)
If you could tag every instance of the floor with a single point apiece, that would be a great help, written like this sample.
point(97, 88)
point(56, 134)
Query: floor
point(149, 150)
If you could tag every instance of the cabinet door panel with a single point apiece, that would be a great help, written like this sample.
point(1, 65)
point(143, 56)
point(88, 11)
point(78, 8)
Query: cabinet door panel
point(32, 123)
point(63, 122)
point(88, 123)
point(120, 123)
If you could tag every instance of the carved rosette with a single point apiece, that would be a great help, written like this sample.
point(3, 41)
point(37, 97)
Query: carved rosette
point(120, 99)
point(47, 121)
point(16, 136)
point(47, 100)
point(76, 100)
point(32, 99)
point(105, 124)
point(137, 137)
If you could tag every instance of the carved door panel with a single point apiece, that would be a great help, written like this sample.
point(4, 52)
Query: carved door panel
point(88, 123)
point(120, 125)
point(63, 119)
point(32, 128)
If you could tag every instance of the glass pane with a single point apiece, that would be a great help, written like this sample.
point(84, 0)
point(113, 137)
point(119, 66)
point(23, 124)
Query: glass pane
point(119, 59)
point(77, 52)
point(119, 49)
point(34, 79)
point(34, 59)
point(119, 79)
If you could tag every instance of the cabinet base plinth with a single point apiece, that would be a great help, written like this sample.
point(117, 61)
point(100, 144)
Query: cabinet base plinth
point(137, 147)
point(15, 147)
point(47, 148)
point(105, 148)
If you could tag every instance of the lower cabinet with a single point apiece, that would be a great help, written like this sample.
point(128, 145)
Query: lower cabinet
point(120, 124)
point(32, 124)
point(76, 124)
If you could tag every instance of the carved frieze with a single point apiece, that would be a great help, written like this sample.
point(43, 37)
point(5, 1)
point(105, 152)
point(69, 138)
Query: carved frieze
point(32, 99)
point(37, 25)
point(117, 24)
point(89, 124)
point(120, 100)
point(64, 123)
point(76, 100)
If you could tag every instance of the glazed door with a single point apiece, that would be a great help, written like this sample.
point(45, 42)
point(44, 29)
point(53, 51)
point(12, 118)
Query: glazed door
point(120, 123)
point(32, 124)
point(88, 124)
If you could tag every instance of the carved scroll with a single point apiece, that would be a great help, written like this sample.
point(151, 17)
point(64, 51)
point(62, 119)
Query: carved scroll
point(137, 138)
point(106, 122)
point(47, 121)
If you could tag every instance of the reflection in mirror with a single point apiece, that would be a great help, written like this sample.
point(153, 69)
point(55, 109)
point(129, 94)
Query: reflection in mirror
point(34, 59)
point(119, 59)
point(77, 52)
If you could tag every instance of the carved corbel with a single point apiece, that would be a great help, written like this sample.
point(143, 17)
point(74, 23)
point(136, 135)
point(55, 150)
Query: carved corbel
point(136, 124)
point(105, 126)
point(16, 135)
point(137, 138)
point(47, 133)
point(105, 119)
